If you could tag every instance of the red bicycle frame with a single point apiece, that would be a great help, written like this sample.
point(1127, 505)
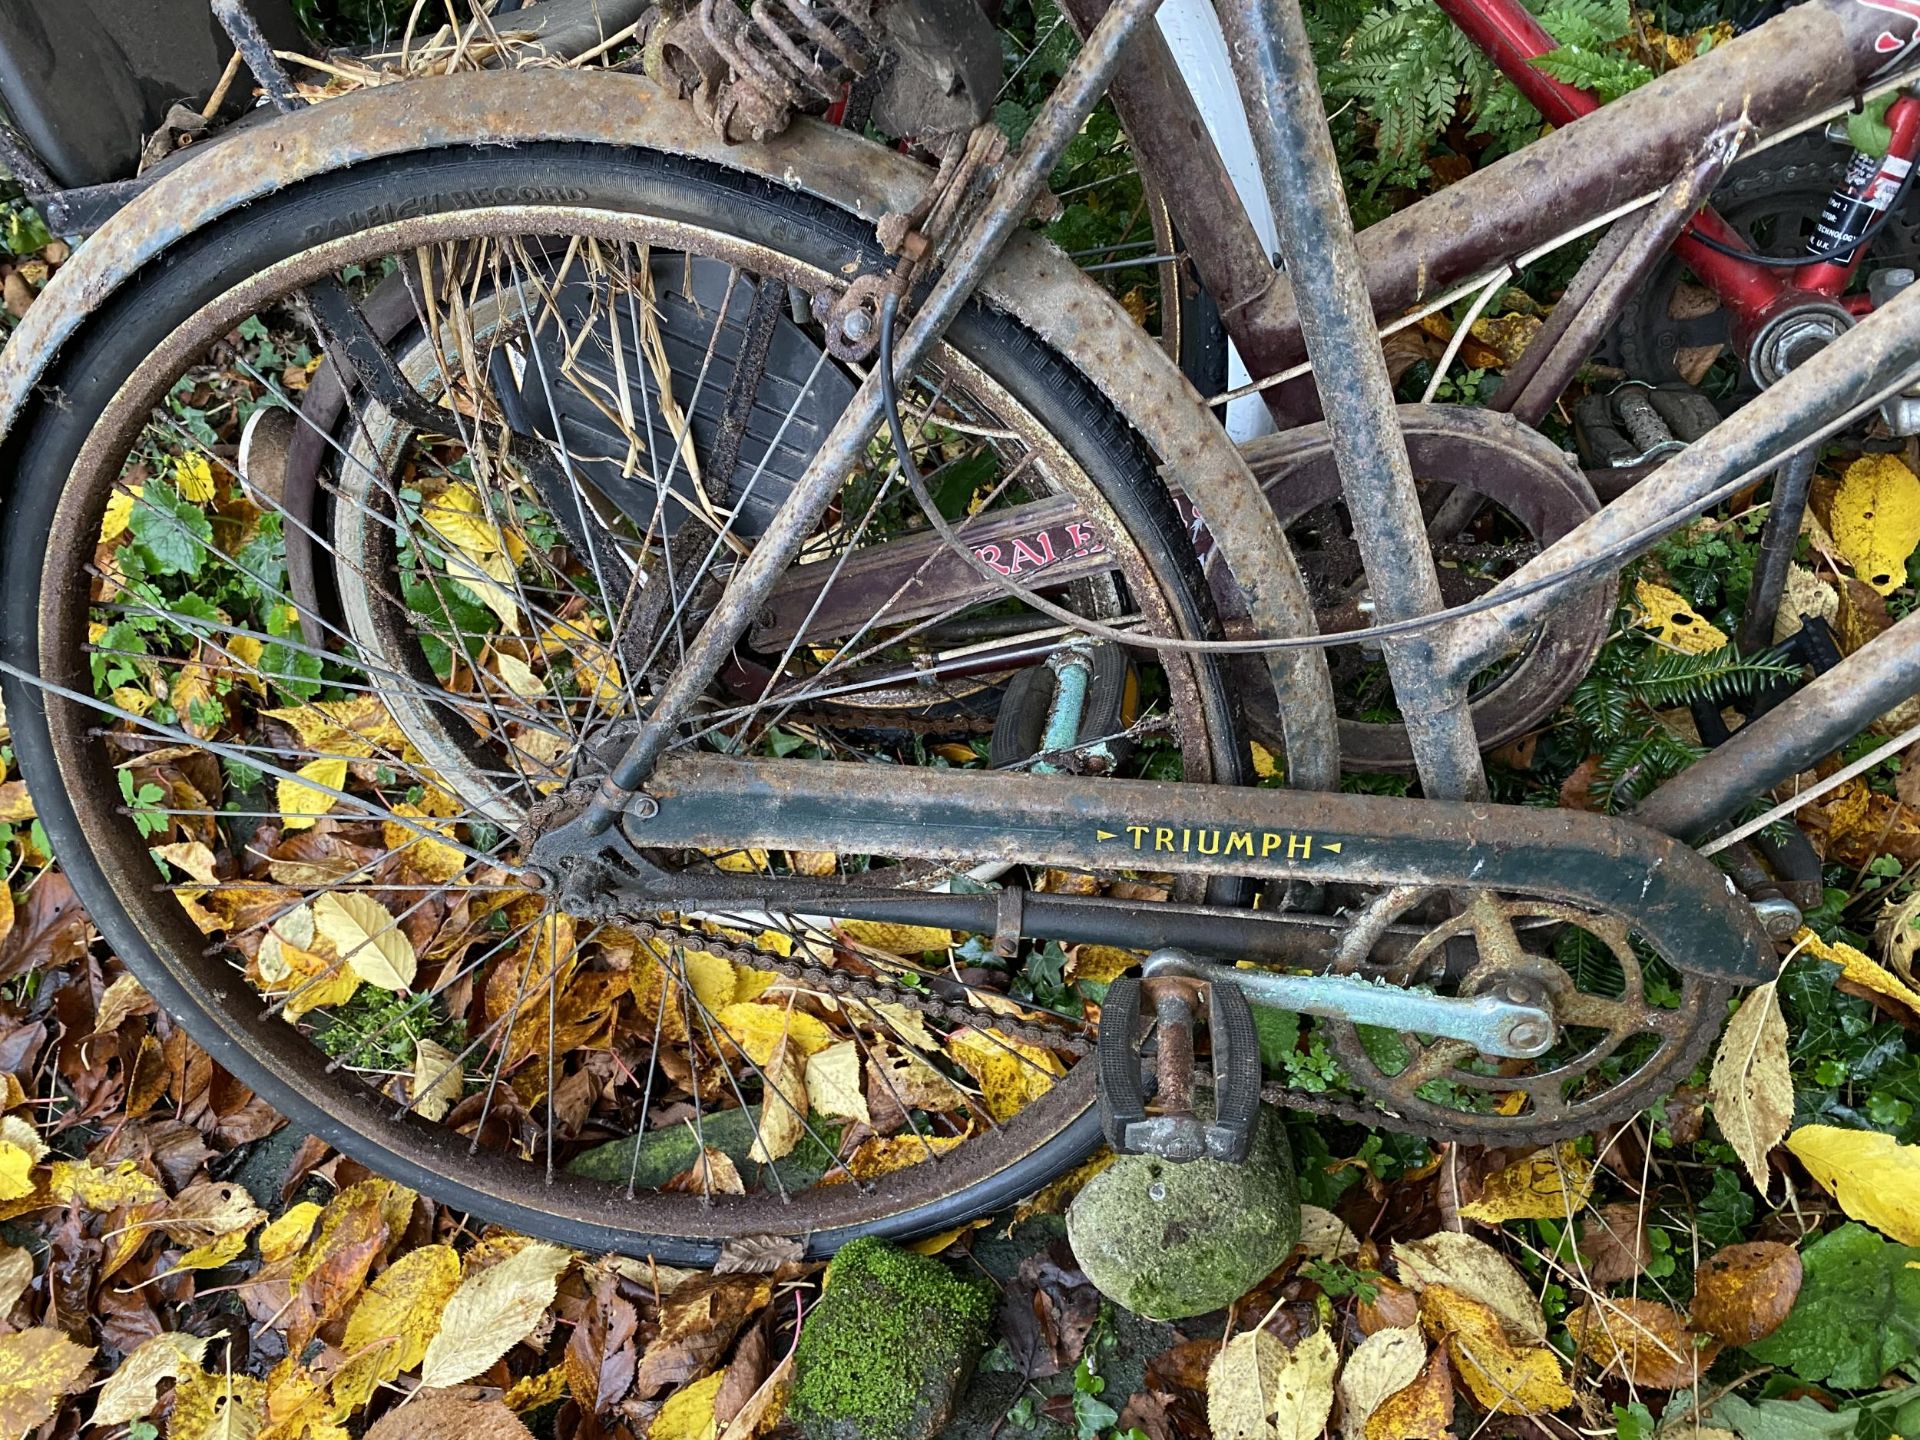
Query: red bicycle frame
point(1508, 35)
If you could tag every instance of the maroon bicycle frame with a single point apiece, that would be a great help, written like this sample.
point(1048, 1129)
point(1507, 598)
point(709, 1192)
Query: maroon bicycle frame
point(1508, 35)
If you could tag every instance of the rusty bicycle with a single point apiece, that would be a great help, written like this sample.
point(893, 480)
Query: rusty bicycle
point(574, 625)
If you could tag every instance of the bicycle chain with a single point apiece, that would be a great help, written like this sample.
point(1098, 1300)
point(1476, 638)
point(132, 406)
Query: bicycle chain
point(865, 988)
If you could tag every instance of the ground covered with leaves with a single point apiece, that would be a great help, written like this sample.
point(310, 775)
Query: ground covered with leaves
point(1742, 1259)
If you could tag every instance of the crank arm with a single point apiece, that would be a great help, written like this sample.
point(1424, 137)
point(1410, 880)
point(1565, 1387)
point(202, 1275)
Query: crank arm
point(1492, 1025)
point(1675, 898)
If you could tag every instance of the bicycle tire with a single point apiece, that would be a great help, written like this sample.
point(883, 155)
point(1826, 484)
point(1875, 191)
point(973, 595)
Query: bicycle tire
point(1052, 1134)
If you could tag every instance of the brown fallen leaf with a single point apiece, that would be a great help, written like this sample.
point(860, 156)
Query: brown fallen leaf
point(600, 1354)
point(1743, 1292)
point(450, 1415)
point(697, 1324)
point(1643, 1341)
point(1613, 1243)
point(745, 1373)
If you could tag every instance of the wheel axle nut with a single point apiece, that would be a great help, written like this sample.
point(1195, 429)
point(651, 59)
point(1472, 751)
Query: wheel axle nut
point(857, 325)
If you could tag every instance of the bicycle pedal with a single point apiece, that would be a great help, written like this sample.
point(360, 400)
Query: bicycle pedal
point(1635, 423)
point(1166, 1125)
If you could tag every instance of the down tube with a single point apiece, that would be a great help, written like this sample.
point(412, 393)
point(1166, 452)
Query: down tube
point(1875, 359)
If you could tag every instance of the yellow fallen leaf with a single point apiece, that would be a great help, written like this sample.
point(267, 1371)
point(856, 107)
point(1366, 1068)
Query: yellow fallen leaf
point(1506, 1378)
point(1750, 1087)
point(1875, 1178)
point(1011, 1073)
point(248, 651)
point(16, 1171)
point(1260, 1389)
point(220, 1406)
point(491, 1312)
point(884, 1154)
point(891, 939)
point(81, 1181)
point(37, 1368)
point(1672, 620)
point(1101, 964)
point(193, 858)
point(1546, 1185)
point(1382, 1365)
point(1860, 968)
point(783, 1108)
point(518, 676)
point(193, 478)
point(751, 861)
point(119, 512)
point(430, 859)
point(284, 1236)
point(756, 1030)
point(391, 1326)
point(1875, 519)
point(688, 1413)
point(366, 938)
point(813, 863)
point(221, 1250)
point(530, 1392)
point(132, 1390)
point(136, 702)
point(301, 805)
point(834, 1083)
point(438, 1080)
point(1468, 1266)
point(1420, 1411)
point(1265, 765)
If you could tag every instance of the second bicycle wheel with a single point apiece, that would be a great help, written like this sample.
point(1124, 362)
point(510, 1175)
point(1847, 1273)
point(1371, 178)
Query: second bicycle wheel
point(297, 808)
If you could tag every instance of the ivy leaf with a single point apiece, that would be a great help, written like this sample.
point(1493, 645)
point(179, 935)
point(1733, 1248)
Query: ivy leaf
point(173, 534)
point(1846, 1327)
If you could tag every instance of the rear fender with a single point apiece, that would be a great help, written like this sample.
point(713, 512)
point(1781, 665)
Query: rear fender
point(1032, 281)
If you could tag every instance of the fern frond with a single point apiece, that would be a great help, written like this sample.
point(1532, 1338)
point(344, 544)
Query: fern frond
point(1663, 678)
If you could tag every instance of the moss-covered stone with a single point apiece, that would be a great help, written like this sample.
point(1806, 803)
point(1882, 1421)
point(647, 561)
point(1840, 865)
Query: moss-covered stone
point(1167, 1241)
point(884, 1353)
point(670, 1151)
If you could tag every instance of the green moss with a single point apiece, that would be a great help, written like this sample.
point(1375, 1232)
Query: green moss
point(892, 1338)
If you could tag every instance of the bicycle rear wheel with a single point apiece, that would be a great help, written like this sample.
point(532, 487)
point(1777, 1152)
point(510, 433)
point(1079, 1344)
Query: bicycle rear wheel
point(298, 819)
